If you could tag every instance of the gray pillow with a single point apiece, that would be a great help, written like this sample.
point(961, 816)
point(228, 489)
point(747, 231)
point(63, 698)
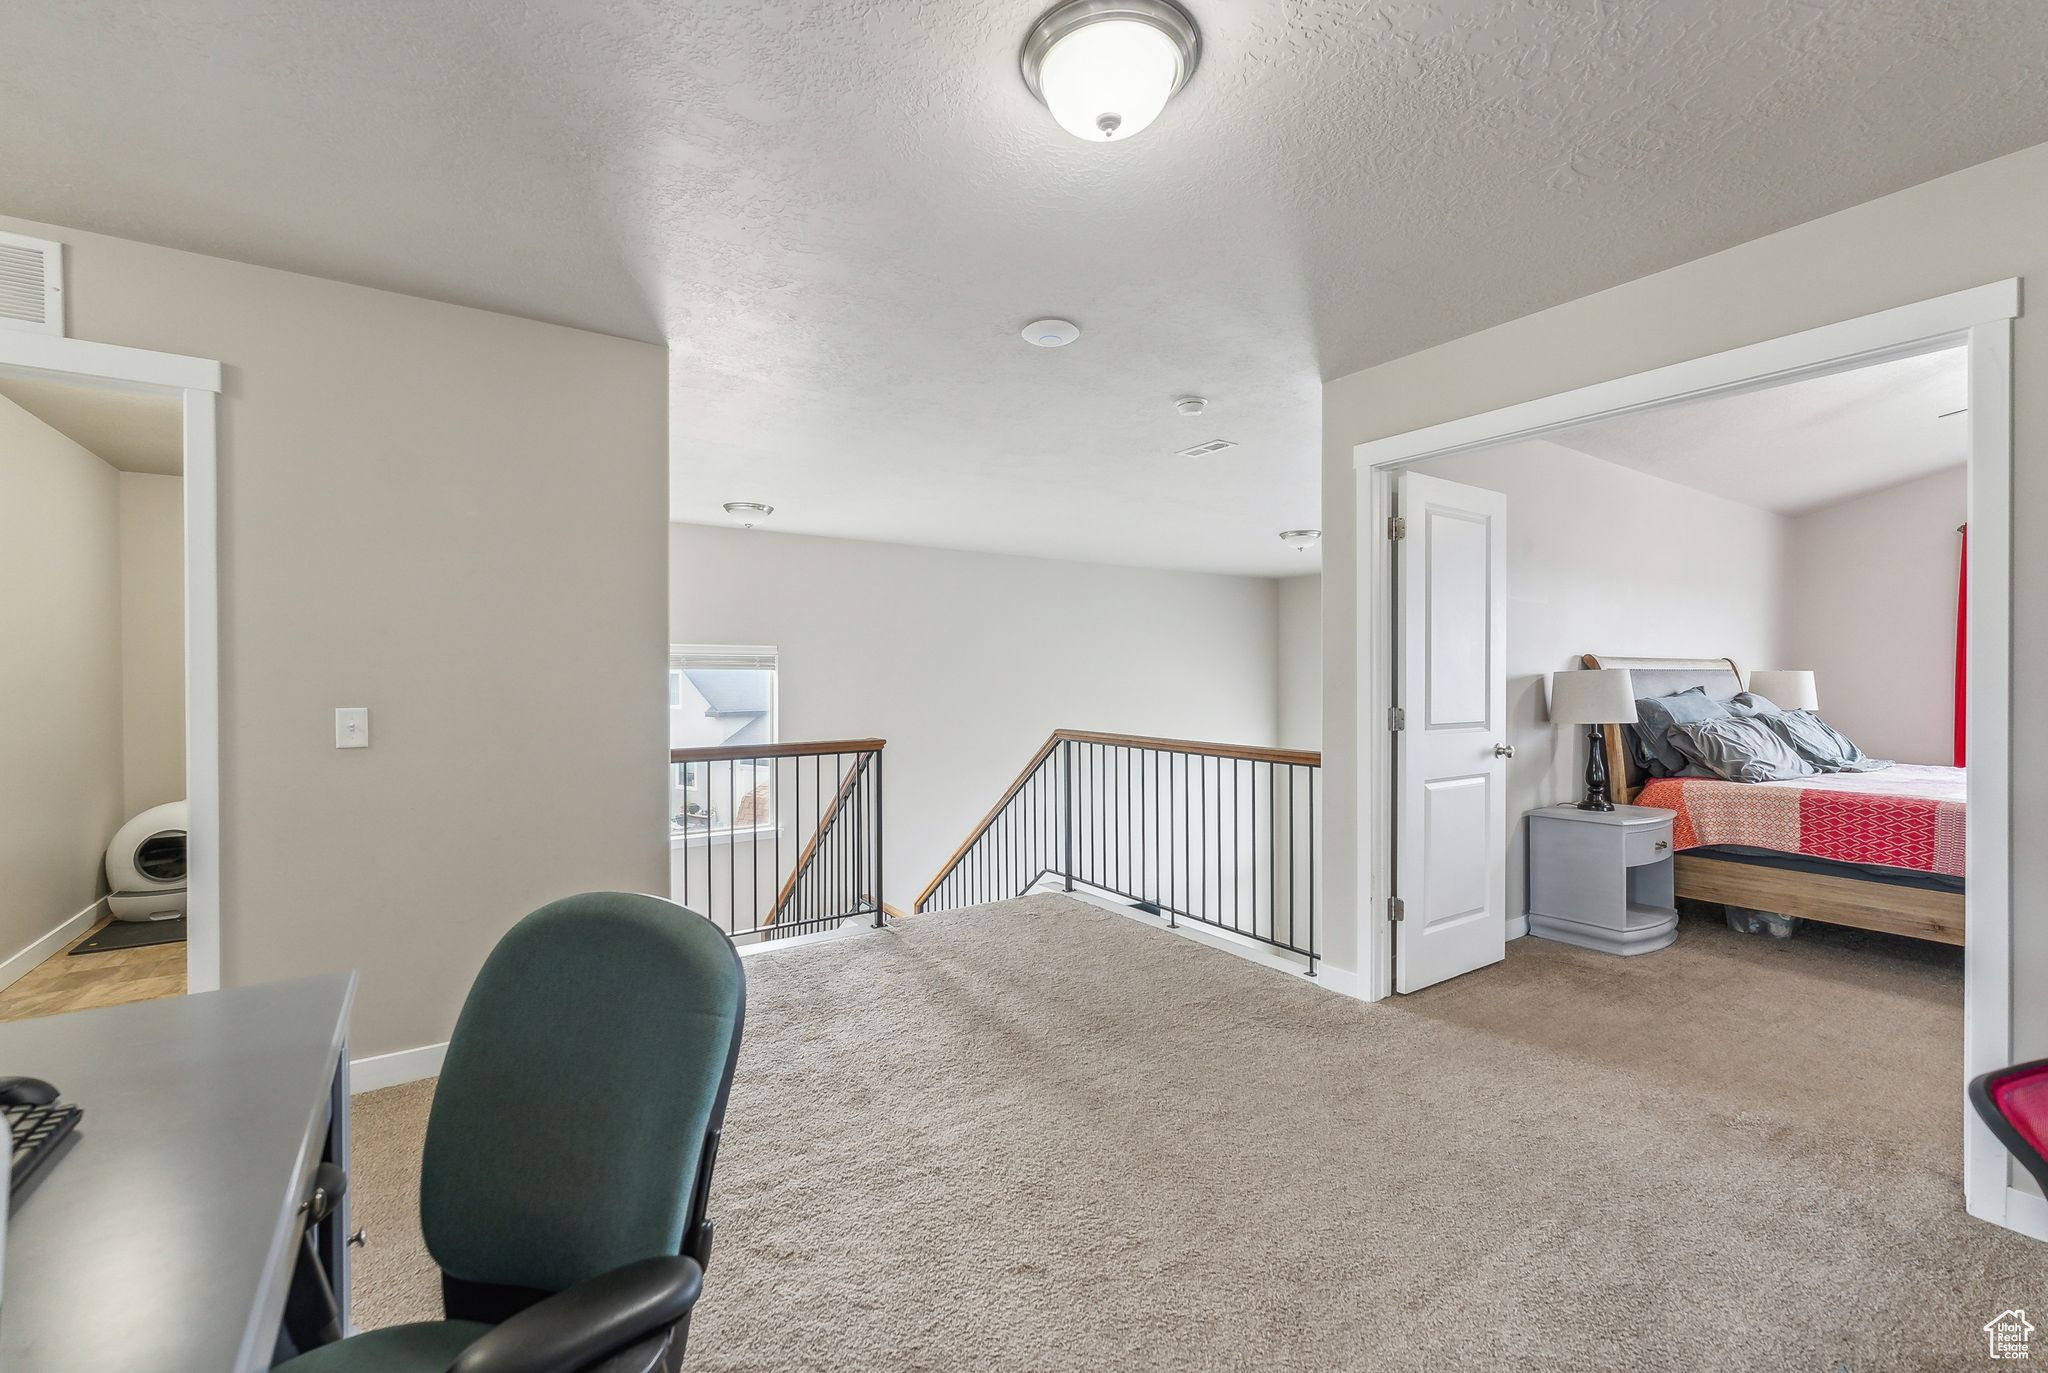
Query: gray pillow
point(1655, 716)
point(1821, 744)
point(1741, 748)
point(1749, 703)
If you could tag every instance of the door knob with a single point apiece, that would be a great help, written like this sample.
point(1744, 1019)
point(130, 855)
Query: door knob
point(1503, 750)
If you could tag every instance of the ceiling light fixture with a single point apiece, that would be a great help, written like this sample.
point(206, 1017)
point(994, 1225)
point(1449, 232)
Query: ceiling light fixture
point(1191, 405)
point(1301, 540)
point(1106, 68)
point(748, 513)
point(1051, 333)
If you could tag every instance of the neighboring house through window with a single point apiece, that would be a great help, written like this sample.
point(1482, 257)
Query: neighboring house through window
point(720, 696)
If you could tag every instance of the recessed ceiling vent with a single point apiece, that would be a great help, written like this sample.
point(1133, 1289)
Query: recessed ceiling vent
point(31, 284)
point(1203, 450)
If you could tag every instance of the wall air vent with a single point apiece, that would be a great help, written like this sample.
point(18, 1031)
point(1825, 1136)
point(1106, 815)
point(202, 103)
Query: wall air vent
point(1203, 450)
point(31, 284)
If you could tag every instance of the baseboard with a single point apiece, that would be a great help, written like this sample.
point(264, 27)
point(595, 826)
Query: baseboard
point(1224, 941)
point(390, 1070)
point(1342, 981)
point(758, 947)
point(68, 931)
point(1518, 925)
point(2026, 1213)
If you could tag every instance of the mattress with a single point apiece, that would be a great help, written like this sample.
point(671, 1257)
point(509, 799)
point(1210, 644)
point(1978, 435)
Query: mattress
point(1907, 816)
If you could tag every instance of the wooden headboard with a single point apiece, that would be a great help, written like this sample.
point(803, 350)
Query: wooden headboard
point(1658, 677)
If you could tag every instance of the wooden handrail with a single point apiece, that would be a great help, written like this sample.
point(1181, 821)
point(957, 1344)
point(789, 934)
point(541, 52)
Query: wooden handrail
point(1310, 758)
point(1293, 757)
point(810, 849)
point(1052, 742)
point(740, 753)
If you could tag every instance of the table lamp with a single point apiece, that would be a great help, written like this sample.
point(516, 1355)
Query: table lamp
point(1594, 697)
point(1785, 688)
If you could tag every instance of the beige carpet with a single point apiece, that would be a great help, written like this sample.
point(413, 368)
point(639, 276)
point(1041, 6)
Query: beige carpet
point(1040, 1136)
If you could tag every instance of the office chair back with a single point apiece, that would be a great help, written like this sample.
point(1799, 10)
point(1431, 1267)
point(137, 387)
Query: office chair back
point(577, 1118)
point(2014, 1103)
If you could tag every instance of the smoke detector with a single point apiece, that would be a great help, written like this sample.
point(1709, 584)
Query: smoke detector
point(1051, 333)
point(1300, 540)
point(1191, 405)
point(1203, 450)
point(748, 513)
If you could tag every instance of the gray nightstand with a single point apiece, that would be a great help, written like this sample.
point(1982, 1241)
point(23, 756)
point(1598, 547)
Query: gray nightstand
point(1602, 879)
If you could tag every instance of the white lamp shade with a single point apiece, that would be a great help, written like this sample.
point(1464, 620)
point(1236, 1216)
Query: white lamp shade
point(1107, 80)
point(1597, 696)
point(1785, 688)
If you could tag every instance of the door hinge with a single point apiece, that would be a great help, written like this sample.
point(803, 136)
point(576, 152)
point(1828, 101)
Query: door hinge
point(1396, 911)
point(1397, 527)
point(1397, 718)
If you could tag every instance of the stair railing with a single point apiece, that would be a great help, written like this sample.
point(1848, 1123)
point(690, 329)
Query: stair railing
point(774, 840)
point(1220, 835)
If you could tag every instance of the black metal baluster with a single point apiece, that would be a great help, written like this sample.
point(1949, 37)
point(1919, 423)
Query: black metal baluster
point(881, 892)
point(1272, 853)
point(1201, 836)
point(1233, 851)
point(1031, 821)
point(753, 843)
point(1121, 816)
point(1102, 816)
point(1185, 791)
point(732, 871)
point(1067, 805)
point(1312, 875)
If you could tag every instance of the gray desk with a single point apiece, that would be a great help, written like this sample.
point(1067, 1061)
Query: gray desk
point(164, 1240)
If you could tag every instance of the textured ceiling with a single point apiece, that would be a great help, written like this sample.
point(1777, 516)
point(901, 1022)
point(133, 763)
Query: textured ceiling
point(1802, 444)
point(840, 212)
point(130, 430)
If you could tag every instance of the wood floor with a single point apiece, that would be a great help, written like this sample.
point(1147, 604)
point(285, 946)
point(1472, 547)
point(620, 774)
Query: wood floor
point(62, 983)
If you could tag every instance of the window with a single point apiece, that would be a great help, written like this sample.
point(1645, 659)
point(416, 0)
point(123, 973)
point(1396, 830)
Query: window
point(720, 696)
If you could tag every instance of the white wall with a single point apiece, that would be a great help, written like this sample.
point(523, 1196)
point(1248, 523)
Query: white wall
point(1299, 660)
point(1963, 230)
point(152, 640)
point(452, 517)
point(1871, 607)
point(964, 662)
point(1714, 586)
point(60, 677)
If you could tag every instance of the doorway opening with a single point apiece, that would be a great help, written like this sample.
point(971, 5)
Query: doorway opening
point(112, 778)
point(1965, 337)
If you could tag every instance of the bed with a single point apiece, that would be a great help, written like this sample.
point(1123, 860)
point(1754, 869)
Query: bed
point(1875, 850)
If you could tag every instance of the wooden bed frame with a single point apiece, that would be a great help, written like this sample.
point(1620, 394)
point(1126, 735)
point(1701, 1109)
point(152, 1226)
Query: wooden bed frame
point(1835, 900)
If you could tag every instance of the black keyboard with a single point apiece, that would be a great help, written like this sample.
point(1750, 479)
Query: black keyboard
point(37, 1132)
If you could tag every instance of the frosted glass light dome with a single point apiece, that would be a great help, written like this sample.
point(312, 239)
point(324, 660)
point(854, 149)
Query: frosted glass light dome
point(1106, 68)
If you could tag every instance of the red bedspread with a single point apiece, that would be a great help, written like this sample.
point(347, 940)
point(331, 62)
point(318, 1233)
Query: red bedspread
point(1905, 816)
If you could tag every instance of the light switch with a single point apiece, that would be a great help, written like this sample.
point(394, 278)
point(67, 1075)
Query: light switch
point(352, 727)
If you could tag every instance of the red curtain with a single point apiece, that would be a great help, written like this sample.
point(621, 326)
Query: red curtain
point(1962, 641)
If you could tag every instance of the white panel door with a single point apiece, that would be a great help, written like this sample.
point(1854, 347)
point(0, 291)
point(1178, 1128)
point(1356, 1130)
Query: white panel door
point(1450, 770)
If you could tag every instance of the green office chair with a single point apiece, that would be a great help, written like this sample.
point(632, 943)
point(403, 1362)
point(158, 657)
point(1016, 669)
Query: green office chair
point(569, 1151)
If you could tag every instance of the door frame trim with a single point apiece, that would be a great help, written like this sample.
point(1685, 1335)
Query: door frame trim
point(197, 384)
point(1980, 318)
